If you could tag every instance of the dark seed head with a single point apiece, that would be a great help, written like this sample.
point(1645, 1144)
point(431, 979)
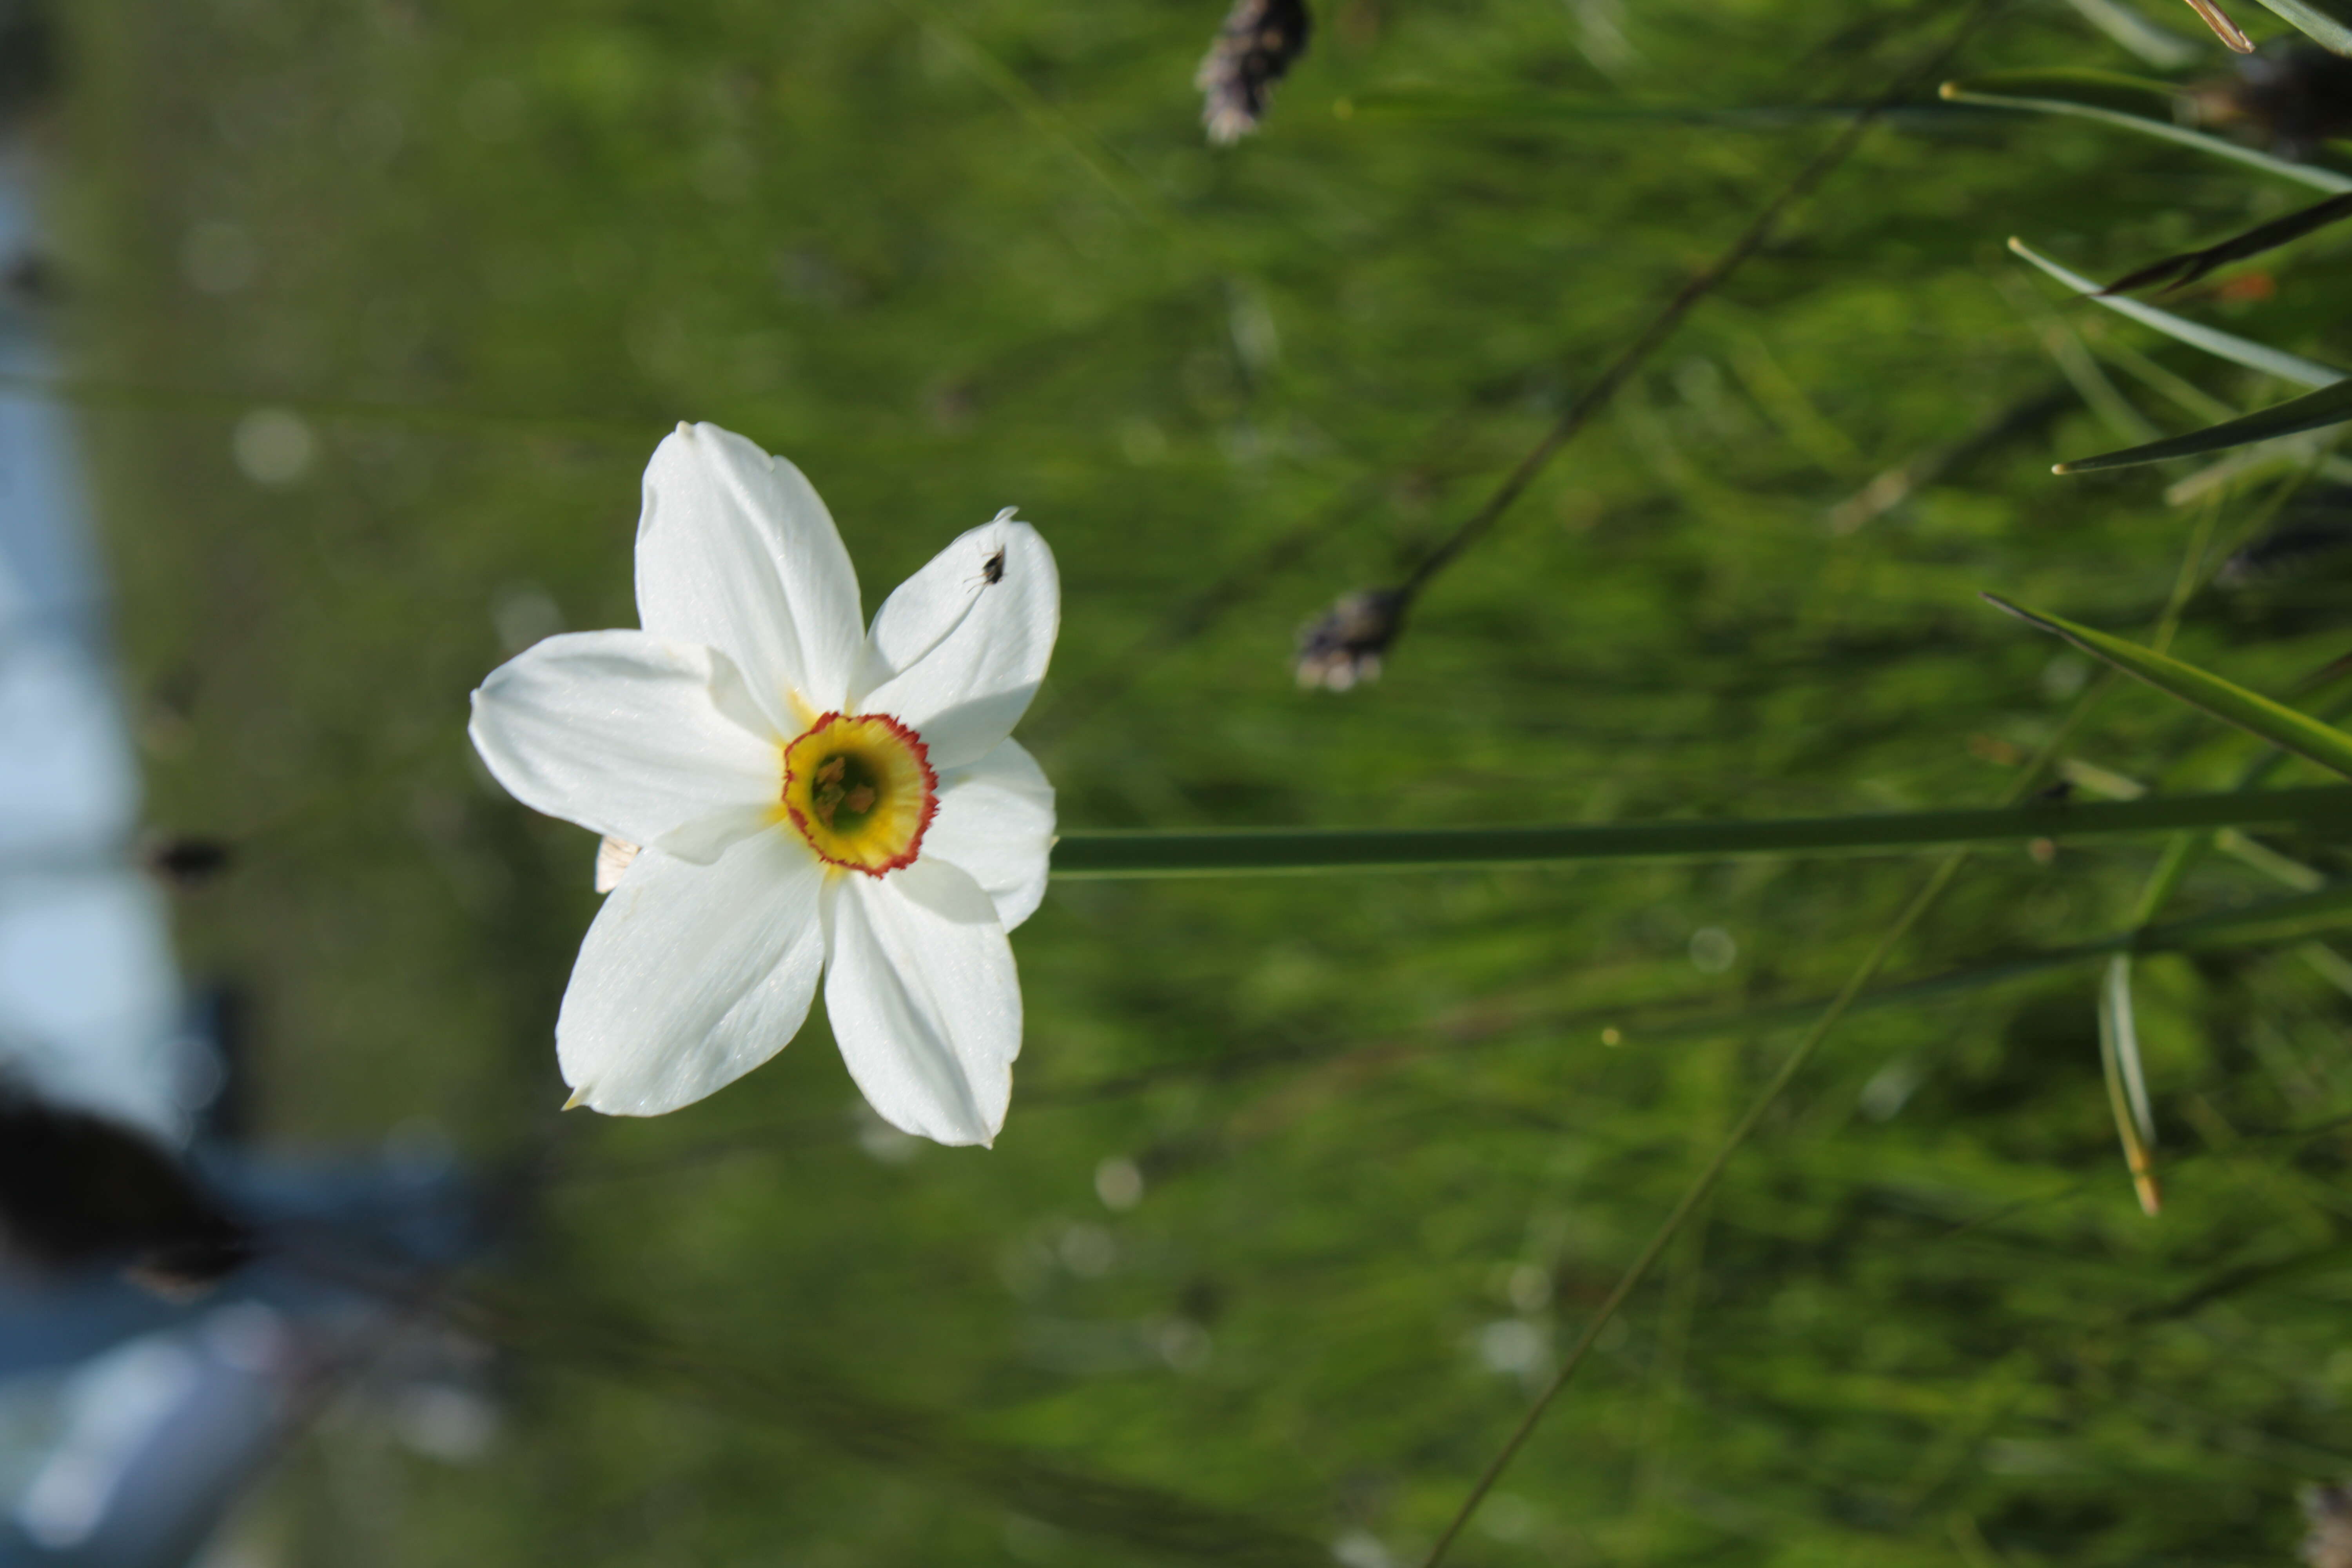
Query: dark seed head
point(1346, 644)
point(1259, 43)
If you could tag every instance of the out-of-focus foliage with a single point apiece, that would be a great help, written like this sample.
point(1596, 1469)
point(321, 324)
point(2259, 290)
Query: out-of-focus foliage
point(380, 305)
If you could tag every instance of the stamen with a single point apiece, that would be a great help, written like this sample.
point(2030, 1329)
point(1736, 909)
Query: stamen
point(860, 791)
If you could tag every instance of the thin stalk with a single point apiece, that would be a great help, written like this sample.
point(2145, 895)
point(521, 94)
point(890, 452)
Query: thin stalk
point(2119, 1057)
point(1696, 1194)
point(1760, 231)
point(2128, 1100)
point(1244, 851)
point(2119, 1054)
point(1041, 116)
point(1699, 1189)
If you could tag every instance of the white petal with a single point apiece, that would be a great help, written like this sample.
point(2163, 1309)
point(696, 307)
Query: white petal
point(735, 550)
point(995, 823)
point(957, 656)
point(692, 975)
point(627, 735)
point(924, 1001)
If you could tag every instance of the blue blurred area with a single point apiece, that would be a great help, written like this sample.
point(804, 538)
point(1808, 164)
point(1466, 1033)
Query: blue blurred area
point(89, 1005)
point(131, 1419)
point(139, 1420)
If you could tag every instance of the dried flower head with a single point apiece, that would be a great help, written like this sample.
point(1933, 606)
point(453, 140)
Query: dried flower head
point(1345, 645)
point(2329, 1509)
point(2290, 99)
point(1259, 43)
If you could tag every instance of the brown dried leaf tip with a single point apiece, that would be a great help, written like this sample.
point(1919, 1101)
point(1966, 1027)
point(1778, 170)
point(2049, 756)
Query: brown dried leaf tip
point(1259, 43)
point(2329, 1509)
point(1345, 647)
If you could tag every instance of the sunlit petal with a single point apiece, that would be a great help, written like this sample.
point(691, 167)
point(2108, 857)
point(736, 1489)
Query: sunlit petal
point(959, 649)
point(995, 822)
point(736, 550)
point(691, 975)
point(628, 735)
point(924, 1000)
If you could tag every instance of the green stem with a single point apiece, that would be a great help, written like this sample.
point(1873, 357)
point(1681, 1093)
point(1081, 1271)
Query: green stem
point(1240, 851)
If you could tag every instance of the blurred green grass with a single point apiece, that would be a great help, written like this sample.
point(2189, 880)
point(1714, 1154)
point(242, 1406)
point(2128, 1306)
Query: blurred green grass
point(952, 259)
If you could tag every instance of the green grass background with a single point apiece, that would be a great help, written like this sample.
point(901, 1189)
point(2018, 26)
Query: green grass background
point(951, 259)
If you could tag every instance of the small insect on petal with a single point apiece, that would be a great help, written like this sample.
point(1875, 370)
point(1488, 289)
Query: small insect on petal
point(1259, 43)
point(612, 857)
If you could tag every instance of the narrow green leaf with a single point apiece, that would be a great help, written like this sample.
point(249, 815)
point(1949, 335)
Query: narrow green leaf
point(1251, 850)
point(2071, 86)
point(2178, 271)
point(2313, 24)
point(2221, 345)
point(2250, 710)
point(2127, 1081)
point(2248, 850)
point(1519, 103)
point(2118, 1006)
point(1972, 91)
point(2294, 919)
point(2328, 406)
point(2159, 46)
point(1523, 104)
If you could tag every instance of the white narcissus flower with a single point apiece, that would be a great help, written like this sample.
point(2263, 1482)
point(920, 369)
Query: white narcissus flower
point(811, 796)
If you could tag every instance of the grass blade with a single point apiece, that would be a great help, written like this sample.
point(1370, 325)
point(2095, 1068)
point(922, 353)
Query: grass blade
point(2064, 344)
point(2127, 1083)
point(2072, 88)
point(2328, 406)
point(1510, 103)
point(2159, 46)
point(2292, 919)
point(1252, 851)
point(1987, 91)
point(2313, 24)
point(2250, 710)
point(2179, 271)
point(2221, 345)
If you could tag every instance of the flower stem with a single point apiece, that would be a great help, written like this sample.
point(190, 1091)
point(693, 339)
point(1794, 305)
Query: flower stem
point(1243, 851)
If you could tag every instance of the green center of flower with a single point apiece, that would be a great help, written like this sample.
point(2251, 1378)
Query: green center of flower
point(861, 791)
